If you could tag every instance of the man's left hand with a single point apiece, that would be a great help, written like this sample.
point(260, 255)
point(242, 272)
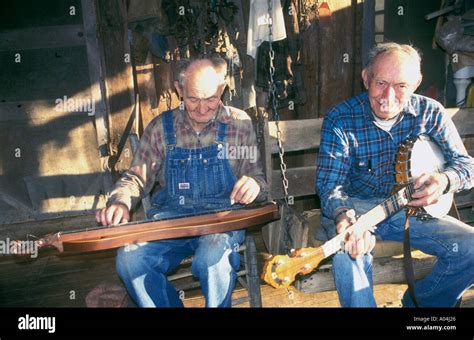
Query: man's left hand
point(429, 187)
point(245, 191)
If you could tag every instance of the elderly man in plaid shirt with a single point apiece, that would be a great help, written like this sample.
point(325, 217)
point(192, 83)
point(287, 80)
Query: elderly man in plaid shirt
point(359, 143)
point(182, 150)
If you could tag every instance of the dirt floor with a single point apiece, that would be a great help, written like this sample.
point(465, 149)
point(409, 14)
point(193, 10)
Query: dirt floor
point(387, 295)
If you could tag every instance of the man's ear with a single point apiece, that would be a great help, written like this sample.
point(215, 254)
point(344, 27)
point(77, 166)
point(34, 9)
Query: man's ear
point(418, 83)
point(221, 89)
point(178, 89)
point(365, 78)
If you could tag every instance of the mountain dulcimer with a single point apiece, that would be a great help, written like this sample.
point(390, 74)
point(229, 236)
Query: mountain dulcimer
point(114, 236)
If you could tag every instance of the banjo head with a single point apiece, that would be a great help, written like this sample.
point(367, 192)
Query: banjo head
point(424, 155)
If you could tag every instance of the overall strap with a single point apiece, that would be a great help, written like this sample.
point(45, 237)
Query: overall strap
point(221, 133)
point(222, 129)
point(168, 127)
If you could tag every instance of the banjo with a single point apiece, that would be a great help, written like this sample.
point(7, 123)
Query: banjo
point(414, 156)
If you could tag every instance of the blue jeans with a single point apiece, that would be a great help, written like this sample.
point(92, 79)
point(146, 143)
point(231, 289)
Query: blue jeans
point(143, 268)
point(450, 240)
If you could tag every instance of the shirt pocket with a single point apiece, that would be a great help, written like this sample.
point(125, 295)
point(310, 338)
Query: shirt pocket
point(363, 172)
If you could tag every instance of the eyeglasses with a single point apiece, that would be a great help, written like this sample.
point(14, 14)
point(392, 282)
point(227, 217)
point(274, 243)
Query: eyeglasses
point(399, 88)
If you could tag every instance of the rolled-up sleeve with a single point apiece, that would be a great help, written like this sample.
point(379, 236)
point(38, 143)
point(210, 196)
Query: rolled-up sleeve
point(139, 179)
point(252, 166)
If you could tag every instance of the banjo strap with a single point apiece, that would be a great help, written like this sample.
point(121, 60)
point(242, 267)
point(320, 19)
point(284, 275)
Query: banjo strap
point(407, 260)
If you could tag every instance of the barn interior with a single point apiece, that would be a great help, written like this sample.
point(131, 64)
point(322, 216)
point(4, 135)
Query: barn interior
point(79, 77)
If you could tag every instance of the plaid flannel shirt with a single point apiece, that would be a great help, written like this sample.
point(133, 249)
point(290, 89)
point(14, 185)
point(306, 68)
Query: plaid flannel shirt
point(356, 157)
point(148, 163)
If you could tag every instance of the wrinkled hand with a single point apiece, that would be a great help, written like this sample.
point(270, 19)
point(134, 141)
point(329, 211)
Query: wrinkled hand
point(356, 243)
point(114, 214)
point(245, 191)
point(430, 187)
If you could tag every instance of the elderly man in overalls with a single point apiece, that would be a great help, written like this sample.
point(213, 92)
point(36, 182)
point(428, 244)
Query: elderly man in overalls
point(182, 150)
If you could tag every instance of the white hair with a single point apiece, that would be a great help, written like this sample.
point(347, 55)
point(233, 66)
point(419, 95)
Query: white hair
point(383, 48)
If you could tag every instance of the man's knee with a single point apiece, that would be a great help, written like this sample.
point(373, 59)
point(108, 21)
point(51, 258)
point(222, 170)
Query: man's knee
point(460, 248)
point(127, 260)
point(138, 259)
point(215, 248)
point(465, 250)
point(344, 263)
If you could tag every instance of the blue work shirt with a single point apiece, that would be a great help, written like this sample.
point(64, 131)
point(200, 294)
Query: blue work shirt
point(356, 157)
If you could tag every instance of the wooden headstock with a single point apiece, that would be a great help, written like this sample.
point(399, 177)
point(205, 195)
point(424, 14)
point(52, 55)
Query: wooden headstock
point(280, 271)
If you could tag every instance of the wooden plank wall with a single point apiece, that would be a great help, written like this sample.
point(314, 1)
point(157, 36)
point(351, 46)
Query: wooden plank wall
point(331, 59)
point(49, 164)
point(330, 76)
point(119, 99)
point(335, 75)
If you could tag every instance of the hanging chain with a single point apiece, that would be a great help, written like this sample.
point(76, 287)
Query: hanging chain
point(168, 100)
point(273, 98)
point(317, 10)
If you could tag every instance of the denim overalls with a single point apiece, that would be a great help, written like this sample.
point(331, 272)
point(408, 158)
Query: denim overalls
point(197, 180)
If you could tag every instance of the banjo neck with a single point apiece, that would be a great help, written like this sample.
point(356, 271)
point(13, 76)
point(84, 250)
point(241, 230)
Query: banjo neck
point(374, 216)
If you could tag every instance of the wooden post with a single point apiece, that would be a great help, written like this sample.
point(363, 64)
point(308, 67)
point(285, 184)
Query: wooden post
point(118, 71)
point(96, 76)
point(253, 279)
point(146, 87)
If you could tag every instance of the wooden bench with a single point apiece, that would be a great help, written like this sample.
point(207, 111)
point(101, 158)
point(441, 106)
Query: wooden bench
point(300, 139)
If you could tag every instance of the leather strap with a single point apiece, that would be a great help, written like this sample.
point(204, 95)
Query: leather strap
point(114, 159)
point(407, 260)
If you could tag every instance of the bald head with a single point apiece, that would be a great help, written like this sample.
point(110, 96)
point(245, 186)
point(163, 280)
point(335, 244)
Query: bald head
point(203, 79)
point(187, 69)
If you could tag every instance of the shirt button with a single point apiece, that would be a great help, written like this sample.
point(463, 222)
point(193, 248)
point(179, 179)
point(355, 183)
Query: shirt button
point(204, 161)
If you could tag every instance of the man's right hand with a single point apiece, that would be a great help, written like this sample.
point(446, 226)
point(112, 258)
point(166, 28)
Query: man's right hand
point(114, 214)
point(355, 245)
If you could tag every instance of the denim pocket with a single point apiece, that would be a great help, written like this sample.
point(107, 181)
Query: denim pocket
point(214, 178)
point(178, 178)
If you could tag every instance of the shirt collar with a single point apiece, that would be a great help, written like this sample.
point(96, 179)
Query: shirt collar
point(410, 106)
